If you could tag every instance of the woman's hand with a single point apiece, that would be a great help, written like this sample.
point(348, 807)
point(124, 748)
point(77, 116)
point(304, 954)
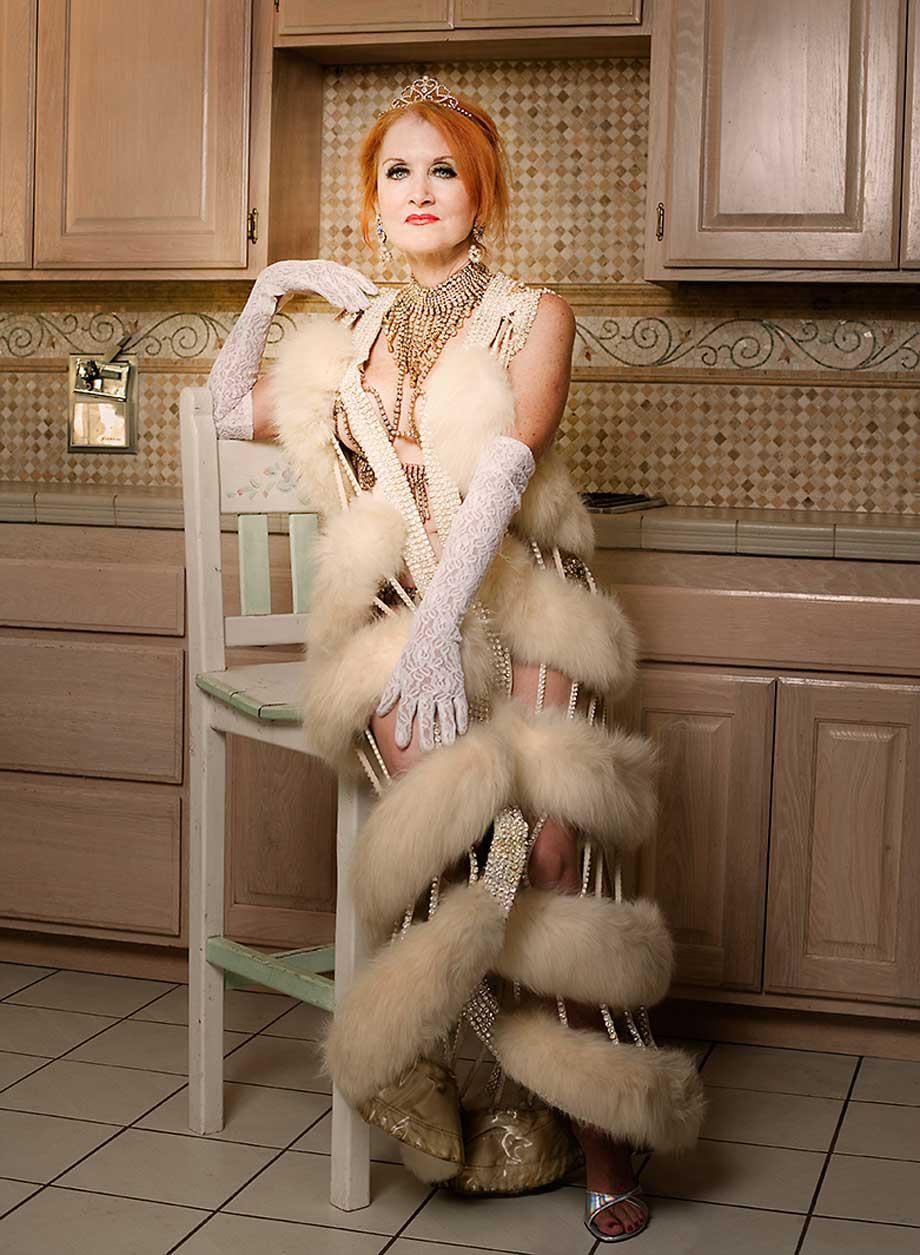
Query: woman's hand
point(427, 681)
point(339, 285)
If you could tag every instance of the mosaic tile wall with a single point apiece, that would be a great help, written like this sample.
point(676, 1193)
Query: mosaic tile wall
point(727, 406)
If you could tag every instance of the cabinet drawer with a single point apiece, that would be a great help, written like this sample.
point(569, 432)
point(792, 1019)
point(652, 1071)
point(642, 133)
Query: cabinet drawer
point(304, 17)
point(547, 12)
point(97, 856)
point(92, 708)
point(93, 596)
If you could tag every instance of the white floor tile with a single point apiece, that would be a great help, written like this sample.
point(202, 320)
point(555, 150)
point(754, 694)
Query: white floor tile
point(749, 1115)
point(12, 1193)
point(871, 1128)
point(725, 1172)
point(15, 976)
point(538, 1224)
point(888, 1080)
point(37, 1148)
point(858, 1188)
point(813, 1072)
point(855, 1237)
point(14, 1067)
point(68, 1222)
point(136, 1044)
point(318, 1140)
point(284, 1061)
point(296, 1187)
point(37, 1031)
point(166, 1168)
point(244, 1012)
point(242, 1235)
point(90, 992)
point(255, 1114)
point(90, 1091)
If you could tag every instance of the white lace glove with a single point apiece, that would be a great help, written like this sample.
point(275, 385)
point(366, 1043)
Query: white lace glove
point(236, 367)
point(428, 678)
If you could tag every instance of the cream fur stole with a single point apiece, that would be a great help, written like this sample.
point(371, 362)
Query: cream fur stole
point(468, 401)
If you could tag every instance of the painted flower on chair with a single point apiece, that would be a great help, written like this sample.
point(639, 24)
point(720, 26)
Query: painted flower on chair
point(277, 477)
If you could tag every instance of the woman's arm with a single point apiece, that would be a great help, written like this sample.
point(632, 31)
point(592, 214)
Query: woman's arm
point(233, 379)
point(428, 678)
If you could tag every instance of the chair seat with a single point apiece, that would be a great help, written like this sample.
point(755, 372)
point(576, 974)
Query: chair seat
point(266, 691)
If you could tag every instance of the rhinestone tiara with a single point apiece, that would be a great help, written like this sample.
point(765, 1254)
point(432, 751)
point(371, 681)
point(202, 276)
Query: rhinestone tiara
point(425, 88)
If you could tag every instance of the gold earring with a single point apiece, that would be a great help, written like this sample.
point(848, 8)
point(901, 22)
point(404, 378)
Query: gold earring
point(477, 236)
point(385, 254)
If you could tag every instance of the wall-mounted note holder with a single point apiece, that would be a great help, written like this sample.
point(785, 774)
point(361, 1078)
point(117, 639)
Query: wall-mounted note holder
point(102, 404)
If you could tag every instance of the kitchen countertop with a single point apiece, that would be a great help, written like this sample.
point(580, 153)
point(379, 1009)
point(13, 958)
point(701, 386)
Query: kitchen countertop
point(694, 529)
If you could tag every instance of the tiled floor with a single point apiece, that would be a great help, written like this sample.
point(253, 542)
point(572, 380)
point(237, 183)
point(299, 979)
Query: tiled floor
point(802, 1154)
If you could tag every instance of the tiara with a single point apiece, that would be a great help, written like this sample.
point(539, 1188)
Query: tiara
point(425, 88)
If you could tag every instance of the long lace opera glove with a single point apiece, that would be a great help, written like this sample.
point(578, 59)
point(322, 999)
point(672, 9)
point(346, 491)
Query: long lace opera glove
point(236, 367)
point(428, 677)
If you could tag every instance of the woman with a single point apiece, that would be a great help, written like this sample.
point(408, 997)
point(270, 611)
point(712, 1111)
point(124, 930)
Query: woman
point(459, 650)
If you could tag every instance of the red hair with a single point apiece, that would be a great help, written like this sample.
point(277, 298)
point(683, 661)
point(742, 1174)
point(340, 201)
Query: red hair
point(477, 150)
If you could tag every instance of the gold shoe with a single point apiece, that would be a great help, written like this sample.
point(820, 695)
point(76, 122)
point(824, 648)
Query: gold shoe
point(514, 1150)
point(422, 1110)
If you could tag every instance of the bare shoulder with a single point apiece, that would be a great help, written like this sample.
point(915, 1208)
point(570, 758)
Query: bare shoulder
point(555, 313)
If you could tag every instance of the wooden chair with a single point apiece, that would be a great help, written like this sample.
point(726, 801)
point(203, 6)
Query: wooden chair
point(250, 480)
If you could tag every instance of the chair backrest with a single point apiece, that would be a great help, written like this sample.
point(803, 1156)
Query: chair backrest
point(249, 479)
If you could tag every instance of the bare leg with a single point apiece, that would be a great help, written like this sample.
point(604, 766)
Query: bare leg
point(554, 865)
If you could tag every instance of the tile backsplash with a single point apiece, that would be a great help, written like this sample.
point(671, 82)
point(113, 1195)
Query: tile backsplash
point(788, 397)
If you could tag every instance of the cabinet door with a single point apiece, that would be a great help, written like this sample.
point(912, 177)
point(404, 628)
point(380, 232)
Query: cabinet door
point(706, 866)
point(546, 12)
point(142, 127)
point(306, 17)
point(17, 119)
point(781, 135)
point(910, 232)
point(843, 917)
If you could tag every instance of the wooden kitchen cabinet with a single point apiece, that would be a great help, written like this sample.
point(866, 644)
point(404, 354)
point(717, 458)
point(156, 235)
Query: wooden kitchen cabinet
point(910, 211)
point(17, 130)
point(706, 866)
point(142, 118)
point(776, 138)
point(843, 915)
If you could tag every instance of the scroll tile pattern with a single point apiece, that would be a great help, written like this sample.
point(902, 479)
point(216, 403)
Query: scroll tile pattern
point(683, 404)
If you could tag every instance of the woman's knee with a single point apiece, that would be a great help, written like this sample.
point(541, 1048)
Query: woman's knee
point(553, 862)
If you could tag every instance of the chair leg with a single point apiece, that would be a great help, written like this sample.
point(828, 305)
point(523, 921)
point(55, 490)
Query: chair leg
point(351, 1154)
point(207, 820)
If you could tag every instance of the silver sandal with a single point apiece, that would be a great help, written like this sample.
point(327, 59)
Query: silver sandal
point(596, 1202)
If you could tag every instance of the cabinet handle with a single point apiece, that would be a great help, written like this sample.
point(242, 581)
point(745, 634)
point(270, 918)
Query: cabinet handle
point(252, 227)
point(659, 230)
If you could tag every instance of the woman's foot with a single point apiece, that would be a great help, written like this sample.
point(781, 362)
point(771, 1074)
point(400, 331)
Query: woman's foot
point(608, 1170)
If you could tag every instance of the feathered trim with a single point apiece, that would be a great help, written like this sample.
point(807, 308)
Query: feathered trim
point(650, 1096)
point(469, 401)
point(302, 383)
point(590, 949)
point(598, 780)
point(426, 820)
point(543, 618)
point(358, 549)
point(341, 687)
point(407, 996)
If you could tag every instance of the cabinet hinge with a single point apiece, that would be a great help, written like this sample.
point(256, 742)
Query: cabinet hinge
point(252, 226)
point(659, 230)
point(277, 5)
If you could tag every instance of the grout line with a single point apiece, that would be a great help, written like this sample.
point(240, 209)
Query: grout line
point(220, 1210)
point(28, 985)
point(827, 1158)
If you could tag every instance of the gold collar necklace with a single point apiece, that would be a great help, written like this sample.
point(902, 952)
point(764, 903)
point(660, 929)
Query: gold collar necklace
point(420, 321)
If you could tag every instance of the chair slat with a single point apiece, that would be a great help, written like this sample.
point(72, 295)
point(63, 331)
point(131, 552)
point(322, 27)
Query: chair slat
point(255, 581)
point(303, 533)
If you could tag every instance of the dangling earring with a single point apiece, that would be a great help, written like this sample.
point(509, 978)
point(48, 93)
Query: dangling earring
point(475, 250)
point(385, 254)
